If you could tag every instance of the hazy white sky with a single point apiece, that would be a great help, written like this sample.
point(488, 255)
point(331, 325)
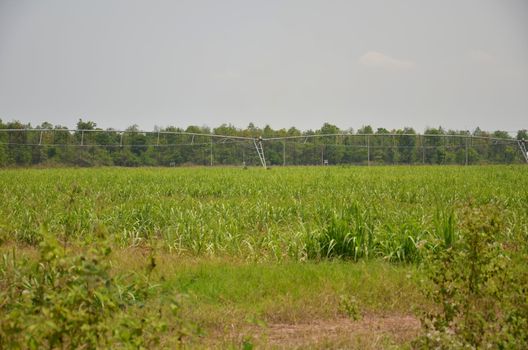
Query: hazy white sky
point(388, 63)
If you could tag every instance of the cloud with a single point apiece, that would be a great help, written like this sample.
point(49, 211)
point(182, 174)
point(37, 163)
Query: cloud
point(378, 59)
point(480, 56)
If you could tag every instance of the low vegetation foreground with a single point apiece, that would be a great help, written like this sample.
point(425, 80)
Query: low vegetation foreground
point(293, 257)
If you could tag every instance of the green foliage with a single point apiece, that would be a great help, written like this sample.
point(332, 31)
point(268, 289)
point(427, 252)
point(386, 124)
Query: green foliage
point(247, 344)
point(476, 257)
point(480, 301)
point(391, 213)
point(71, 300)
point(89, 146)
point(349, 305)
point(345, 235)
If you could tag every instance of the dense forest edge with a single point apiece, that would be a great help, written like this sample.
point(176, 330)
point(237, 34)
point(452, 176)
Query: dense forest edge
point(55, 145)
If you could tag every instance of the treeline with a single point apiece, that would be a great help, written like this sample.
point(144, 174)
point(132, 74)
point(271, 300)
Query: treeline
point(88, 145)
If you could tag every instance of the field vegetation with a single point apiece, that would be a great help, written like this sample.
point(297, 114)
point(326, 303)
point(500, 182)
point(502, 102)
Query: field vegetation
point(363, 257)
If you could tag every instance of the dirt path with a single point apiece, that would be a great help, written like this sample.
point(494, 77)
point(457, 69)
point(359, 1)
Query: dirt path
point(372, 332)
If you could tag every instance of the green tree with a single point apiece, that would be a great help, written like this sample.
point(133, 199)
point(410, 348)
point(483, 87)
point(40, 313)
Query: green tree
point(407, 145)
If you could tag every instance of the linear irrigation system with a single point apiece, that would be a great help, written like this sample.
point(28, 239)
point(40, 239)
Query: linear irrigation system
point(165, 139)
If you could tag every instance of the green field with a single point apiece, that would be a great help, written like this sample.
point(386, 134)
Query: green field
point(287, 257)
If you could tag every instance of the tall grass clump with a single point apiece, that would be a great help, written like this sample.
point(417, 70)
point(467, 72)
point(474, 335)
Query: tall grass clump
point(345, 234)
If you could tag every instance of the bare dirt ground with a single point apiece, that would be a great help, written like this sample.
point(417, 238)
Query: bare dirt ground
point(370, 332)
point(376, 330)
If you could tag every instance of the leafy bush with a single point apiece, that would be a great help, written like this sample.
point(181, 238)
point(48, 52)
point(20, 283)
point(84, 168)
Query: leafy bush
point(68, 300)
point(479, 293)
point(349, 306)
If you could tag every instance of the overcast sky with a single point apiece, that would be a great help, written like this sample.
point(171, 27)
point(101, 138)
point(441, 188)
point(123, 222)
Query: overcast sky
point(387, 63)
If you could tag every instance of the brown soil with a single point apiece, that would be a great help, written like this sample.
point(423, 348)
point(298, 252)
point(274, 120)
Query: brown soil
point(371, 331)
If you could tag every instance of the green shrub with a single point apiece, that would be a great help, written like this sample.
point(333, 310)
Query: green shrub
point(349, 306)
point(480, 297)
point(71, 300)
